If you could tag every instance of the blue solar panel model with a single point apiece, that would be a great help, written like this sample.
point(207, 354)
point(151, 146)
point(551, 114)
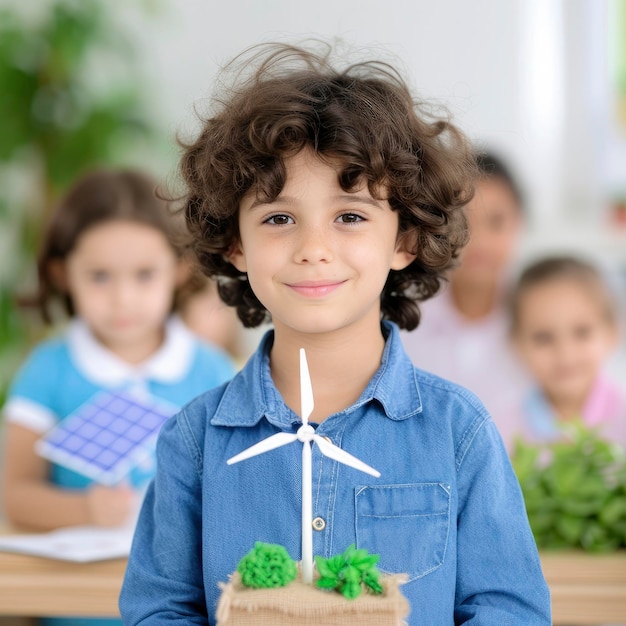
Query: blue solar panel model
point(107, 436)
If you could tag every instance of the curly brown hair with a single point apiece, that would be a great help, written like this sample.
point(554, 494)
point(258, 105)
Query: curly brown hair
point(363, 117)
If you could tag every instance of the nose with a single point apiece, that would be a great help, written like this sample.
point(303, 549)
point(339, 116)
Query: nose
point(566, 353)
point(123, 292)
point(314, 246)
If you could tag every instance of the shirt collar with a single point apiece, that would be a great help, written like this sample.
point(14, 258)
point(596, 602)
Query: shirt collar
point(542, 420)
point(546, 423)
point(251, 395)
point(170, 363)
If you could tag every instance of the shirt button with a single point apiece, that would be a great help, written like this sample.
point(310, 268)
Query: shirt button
point(318, 524)
point(328, 439)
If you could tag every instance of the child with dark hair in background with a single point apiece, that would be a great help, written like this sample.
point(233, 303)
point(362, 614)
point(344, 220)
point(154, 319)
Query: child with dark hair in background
point(328, 200)
point(209, 317)
point(565, 326)
point(464, 331)
point(112, 256)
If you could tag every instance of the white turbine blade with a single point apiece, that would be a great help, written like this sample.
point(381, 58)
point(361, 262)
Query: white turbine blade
point(332, 451)
point(306, 391)
point(275, 441)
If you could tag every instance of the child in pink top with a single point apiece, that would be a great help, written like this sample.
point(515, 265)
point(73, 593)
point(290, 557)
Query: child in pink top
point(564, 327)
point(463, 334)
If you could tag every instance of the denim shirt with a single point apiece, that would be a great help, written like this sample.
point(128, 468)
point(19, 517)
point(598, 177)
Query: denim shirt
point(447, 509)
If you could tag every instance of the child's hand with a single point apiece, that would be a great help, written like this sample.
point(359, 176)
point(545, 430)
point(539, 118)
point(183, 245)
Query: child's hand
point(110, 506)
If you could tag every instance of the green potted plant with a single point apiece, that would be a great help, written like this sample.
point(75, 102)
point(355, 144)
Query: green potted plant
point(575, 490)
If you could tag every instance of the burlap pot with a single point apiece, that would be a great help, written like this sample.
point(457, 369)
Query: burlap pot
point(298, 604)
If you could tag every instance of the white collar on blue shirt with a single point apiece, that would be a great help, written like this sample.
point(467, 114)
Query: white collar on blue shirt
point(168, 364)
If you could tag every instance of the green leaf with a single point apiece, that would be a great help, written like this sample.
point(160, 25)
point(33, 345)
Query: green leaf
point(362, 560)
point(327, 583)
point(371, 579)
point(351, 590)
point(337, 563)
point(351, 575)
point(324, 568)
point(570, 527)
point(524, 459)
point(541, 521)
point(349, 571)
point(18, 89)
point(613, 510)
point(583, 507)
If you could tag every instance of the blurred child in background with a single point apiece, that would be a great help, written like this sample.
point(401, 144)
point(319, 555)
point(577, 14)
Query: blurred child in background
point(204, 313)
point(565, 328)
point(463, 333)
point(112, 256)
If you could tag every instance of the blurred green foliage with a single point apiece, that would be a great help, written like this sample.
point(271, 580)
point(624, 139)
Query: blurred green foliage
point(72, 97)
point(575, 491)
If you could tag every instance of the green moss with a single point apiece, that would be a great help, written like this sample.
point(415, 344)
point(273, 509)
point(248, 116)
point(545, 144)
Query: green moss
point(267, 565)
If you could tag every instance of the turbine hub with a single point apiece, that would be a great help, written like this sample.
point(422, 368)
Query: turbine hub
point(305, 433)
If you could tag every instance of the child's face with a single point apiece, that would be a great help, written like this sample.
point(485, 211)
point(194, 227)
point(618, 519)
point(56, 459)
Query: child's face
point(564, 337)
point(318, 257)
point(121, 276)
point(494, 219)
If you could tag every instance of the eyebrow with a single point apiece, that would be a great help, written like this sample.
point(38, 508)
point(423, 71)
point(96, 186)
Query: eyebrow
point(347, 197)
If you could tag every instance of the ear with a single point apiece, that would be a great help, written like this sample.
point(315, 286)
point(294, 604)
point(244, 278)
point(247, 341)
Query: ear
point(57, 273)
point(406, 250)
point(237, 257)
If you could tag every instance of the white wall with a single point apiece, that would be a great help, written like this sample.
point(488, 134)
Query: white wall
point(462, 53)
point(528, 78)
point(525, 77)
point(459, 53)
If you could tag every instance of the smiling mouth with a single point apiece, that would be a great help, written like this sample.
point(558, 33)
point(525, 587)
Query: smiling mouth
point(311, 289)
point(122, 323)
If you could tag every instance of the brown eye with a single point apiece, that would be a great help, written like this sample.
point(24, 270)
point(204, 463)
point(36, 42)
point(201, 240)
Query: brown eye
point(497, 223)
point(99, 276)
point(279, 220)
point(145, 275)
point(582, 332)
point(350, 218)
point(542, 338)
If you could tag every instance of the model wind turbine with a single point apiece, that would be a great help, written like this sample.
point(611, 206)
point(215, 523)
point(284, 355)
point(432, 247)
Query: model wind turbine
point(306, 434)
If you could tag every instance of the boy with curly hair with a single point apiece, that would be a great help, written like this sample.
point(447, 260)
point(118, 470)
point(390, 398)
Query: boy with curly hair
point(329, 202)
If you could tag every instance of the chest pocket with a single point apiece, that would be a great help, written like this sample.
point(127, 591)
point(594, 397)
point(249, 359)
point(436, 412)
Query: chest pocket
point(406, 524)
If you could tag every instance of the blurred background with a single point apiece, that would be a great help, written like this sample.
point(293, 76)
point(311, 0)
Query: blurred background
point(540, 82)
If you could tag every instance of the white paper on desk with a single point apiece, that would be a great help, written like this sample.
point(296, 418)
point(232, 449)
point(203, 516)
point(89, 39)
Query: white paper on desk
point(79, 543)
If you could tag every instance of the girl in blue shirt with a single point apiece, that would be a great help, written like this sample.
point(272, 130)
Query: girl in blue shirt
point(329, 202)
point(112, 255)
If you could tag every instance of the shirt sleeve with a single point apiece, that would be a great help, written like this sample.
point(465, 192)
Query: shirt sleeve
point(163, 582)
point(499, 576)
point(31, 397)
